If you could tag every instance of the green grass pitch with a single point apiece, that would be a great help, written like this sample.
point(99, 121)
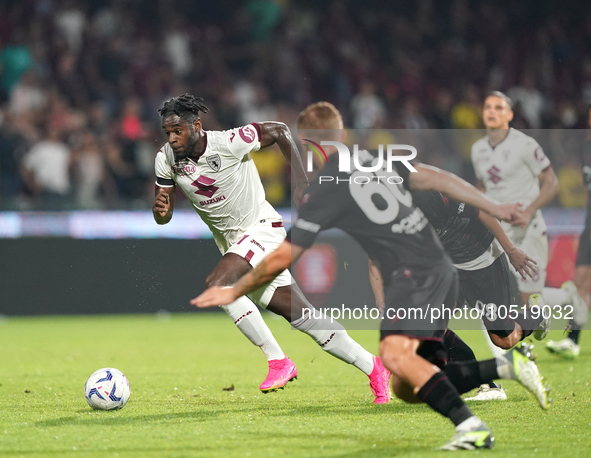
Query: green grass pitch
point(178, 368)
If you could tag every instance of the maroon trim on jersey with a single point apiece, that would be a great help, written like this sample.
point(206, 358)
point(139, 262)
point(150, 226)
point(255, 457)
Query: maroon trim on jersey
point(277, 224)
point(549, 167)
point(258, 129)
point(241, 240)
point(249, 255)
point(204, 143)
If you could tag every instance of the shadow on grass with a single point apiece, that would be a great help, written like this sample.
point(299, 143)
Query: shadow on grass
point(121, 418)
point(393, 408)
point(114, 418)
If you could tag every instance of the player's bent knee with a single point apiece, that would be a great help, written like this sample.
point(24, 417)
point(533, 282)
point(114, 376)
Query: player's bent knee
point(403, 390)
point(395, 352)
point(505, 342)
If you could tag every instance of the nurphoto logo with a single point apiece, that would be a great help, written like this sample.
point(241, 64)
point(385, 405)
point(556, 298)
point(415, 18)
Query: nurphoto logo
point(348, 161)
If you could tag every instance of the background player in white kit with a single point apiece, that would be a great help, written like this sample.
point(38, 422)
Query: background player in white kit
point(580, 289)
point(216, 173)
point(510, 167)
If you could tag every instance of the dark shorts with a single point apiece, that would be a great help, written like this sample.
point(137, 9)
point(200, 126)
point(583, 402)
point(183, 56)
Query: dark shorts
point(495, 284)
point(584, 252)
point(411, 297)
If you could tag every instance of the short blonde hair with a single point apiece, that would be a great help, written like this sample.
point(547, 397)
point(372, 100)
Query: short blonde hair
point(320, 115)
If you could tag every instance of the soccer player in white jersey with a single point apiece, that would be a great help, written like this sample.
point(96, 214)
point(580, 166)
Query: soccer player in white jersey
point(510, 167)
point(216, 173)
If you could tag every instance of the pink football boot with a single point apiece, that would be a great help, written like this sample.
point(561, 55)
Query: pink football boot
point(281, 371)
point(379, 382)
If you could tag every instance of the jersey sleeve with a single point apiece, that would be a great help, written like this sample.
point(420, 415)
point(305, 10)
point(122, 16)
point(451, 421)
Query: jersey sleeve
point(163, 171)
point(30, 158)
point(404, 173)
point(472, 158)
point(436, 205)
point(534, 157)
point(320, 211)
point(242, 140)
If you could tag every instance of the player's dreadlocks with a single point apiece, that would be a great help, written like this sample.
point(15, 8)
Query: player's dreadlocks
point(186, 106)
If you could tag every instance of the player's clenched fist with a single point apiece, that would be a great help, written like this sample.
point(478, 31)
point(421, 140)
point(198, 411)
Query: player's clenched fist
point(163, 206)
point(161, 203)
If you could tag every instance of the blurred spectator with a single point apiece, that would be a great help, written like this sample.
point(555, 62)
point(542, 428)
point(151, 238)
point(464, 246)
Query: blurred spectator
point(259, 108)
point(131, 124)
point(412, 116)
point(12, 148)
point(265, 16)
point(89, 172)
point(529, 99)
point(366, 107)
point(177, 47)
point(442, 110)
point(27, 96)
point(70, 20)
point(573, 192)
point(467, 113)
point(46, 171)
point(15, 59)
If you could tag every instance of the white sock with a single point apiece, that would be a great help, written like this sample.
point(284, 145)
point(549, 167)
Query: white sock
point(496, 351)
point(247, 317)
point(504, 368)
point(556, 296)
point(333, 339)
point(469, 424)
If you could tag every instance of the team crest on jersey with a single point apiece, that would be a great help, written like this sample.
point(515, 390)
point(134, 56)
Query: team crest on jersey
point(214, 161)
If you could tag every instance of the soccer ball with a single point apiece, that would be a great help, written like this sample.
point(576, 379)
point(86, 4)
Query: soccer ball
point(107, 389)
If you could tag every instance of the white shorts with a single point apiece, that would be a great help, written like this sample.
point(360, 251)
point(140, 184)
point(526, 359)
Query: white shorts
point(534, 241)
point(256, 243)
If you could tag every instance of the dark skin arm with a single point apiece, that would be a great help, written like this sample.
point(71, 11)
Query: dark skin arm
point(377, 285)
point(548, 190)
point(273, 264)
point(163, 204)
point(279, 133)
point(520, 260)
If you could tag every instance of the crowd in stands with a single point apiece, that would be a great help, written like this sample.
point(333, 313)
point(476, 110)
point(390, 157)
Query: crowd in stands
point(81, 80)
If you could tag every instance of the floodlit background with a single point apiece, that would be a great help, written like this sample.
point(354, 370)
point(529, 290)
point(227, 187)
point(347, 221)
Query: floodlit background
point(81, 80)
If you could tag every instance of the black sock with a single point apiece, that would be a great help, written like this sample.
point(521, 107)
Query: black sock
point(458, 351)
point(528, 323)
point(439, 394)
point(469, 375)
point(574, 331)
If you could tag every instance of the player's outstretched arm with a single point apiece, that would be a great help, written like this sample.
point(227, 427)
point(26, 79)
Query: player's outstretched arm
point(163, 204)
point(278, 132)
point(431, 178)
point(518, 258)
point(377, 285)
point(548, 191)
point(271, 266)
